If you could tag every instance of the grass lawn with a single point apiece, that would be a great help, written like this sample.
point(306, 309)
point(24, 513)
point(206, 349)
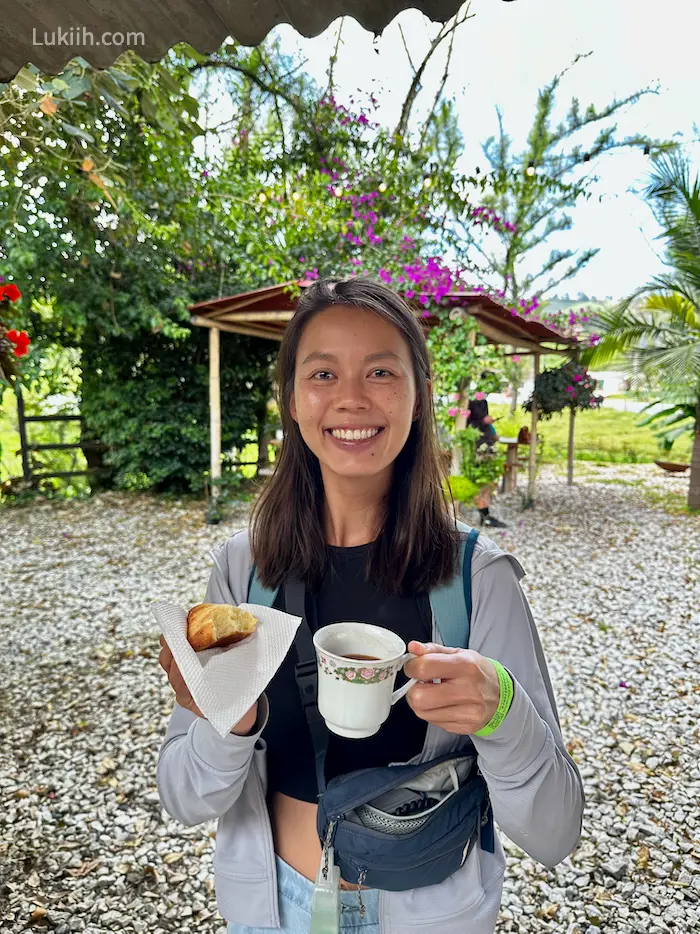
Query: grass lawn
point(605, 436)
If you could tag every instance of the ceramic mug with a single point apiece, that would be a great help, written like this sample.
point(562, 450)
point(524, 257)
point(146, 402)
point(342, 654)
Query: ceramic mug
point(357, 668)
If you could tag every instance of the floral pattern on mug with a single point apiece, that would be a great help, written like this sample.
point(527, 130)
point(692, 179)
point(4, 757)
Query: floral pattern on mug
point(355, 674)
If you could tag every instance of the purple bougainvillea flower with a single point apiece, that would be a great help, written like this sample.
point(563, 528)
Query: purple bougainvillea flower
point(516, 358)
point(624, 684)
point(452, 412)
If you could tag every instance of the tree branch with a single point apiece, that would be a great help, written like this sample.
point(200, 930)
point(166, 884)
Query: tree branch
point(278, 112)
point(438, 94)
point(582, 261)
point(410, 60)
point(334, 56)
point(293, 101)
point(445, 31)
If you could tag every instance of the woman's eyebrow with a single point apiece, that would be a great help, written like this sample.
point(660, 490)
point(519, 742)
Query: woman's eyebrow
point(331, 358)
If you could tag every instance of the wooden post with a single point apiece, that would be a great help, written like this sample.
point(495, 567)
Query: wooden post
point(460, 425)
point(533, 436)
point(26, 466)
point(461, 422)
point(572, 429)
point(215, 409)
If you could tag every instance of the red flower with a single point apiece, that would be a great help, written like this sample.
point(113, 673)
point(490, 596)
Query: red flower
point(21, 341)
point(10, 292)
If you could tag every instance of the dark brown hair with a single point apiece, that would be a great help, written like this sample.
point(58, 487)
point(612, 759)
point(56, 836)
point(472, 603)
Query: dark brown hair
point(417, 546)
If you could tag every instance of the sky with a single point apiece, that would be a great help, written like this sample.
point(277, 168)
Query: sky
point(503, 55)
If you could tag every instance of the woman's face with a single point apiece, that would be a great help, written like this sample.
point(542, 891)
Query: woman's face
point(354, 391)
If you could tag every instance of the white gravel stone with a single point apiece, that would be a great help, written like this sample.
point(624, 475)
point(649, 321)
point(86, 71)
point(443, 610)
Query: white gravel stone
point(614, 583)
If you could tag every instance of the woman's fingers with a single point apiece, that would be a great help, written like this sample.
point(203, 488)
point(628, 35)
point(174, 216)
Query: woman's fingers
point(177, 682)
point(165, 658)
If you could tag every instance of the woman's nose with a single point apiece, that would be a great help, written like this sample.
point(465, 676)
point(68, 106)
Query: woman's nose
point(351, 394)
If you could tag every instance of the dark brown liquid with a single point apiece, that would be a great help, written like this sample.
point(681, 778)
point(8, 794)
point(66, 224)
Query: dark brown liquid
point(363, 658)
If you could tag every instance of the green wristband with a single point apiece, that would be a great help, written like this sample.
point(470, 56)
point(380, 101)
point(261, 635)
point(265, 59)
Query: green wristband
point(506, 685)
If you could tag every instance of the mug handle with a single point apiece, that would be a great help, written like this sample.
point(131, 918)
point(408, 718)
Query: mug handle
point(402, 691)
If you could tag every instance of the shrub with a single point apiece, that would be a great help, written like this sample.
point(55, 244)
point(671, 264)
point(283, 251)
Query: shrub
point(462, 489)
point(148, 400)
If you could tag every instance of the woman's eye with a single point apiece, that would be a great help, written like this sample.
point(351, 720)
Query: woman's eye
point(322, 373)
point(382, 371)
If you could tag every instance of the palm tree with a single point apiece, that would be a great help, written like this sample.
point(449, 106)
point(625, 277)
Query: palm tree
point(657, 328)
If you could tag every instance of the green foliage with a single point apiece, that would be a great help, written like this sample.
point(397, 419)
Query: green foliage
point(82, 107)
point(482, 468)
point(656, 330)
point(462, 489)
point(148, 400)
point(565, 387)
point(671, 421)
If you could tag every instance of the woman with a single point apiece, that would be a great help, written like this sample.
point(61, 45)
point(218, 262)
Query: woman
point(354, 360)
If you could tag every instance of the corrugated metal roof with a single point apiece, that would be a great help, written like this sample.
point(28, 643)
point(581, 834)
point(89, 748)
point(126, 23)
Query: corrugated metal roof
point(26, 26)
point(266, 312)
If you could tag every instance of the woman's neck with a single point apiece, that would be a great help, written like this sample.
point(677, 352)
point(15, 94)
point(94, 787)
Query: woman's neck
point(353, 510)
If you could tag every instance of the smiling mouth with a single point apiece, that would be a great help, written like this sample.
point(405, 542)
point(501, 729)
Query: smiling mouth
point(356, 436)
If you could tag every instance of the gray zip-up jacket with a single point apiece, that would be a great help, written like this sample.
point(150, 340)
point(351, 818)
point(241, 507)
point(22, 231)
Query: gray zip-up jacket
point(535, 787)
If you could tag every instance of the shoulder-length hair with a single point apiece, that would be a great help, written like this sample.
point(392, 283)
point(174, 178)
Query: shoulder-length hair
point(418, 543)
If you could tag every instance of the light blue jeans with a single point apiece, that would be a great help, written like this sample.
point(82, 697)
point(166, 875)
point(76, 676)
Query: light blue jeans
point(295, 895)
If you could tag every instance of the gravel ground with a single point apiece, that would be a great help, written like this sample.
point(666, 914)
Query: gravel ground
point(614, 582)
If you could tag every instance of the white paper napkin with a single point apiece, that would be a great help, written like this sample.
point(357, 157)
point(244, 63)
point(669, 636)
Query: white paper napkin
point(226, 682)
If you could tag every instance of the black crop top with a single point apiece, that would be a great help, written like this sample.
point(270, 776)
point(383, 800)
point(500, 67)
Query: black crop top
point(344, 595)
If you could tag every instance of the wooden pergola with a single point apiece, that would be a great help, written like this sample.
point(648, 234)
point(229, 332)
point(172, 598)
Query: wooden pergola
point(265, 313)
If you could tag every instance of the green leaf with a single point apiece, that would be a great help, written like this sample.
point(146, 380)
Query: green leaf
point(193, 53)
point(169, 83)
point(26, 80)
point(128, 82)
point(76, 88)
point(77, 131)
point(113, 102)
point(191, 105)
point(148, 106)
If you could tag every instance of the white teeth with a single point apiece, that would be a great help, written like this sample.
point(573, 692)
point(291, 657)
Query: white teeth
point(356, 435)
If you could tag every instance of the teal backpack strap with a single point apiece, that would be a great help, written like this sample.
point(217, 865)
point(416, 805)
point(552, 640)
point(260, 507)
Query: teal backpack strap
point(257, 593)
point(452, 602)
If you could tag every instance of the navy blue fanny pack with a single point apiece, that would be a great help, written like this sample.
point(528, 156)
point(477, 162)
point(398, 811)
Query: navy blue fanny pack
point(405, 826)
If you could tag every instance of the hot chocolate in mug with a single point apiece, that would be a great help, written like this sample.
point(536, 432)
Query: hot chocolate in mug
point(357, 668)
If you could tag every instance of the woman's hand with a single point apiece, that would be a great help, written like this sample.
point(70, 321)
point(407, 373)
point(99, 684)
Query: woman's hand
point(185, 699)
point(469, 692)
